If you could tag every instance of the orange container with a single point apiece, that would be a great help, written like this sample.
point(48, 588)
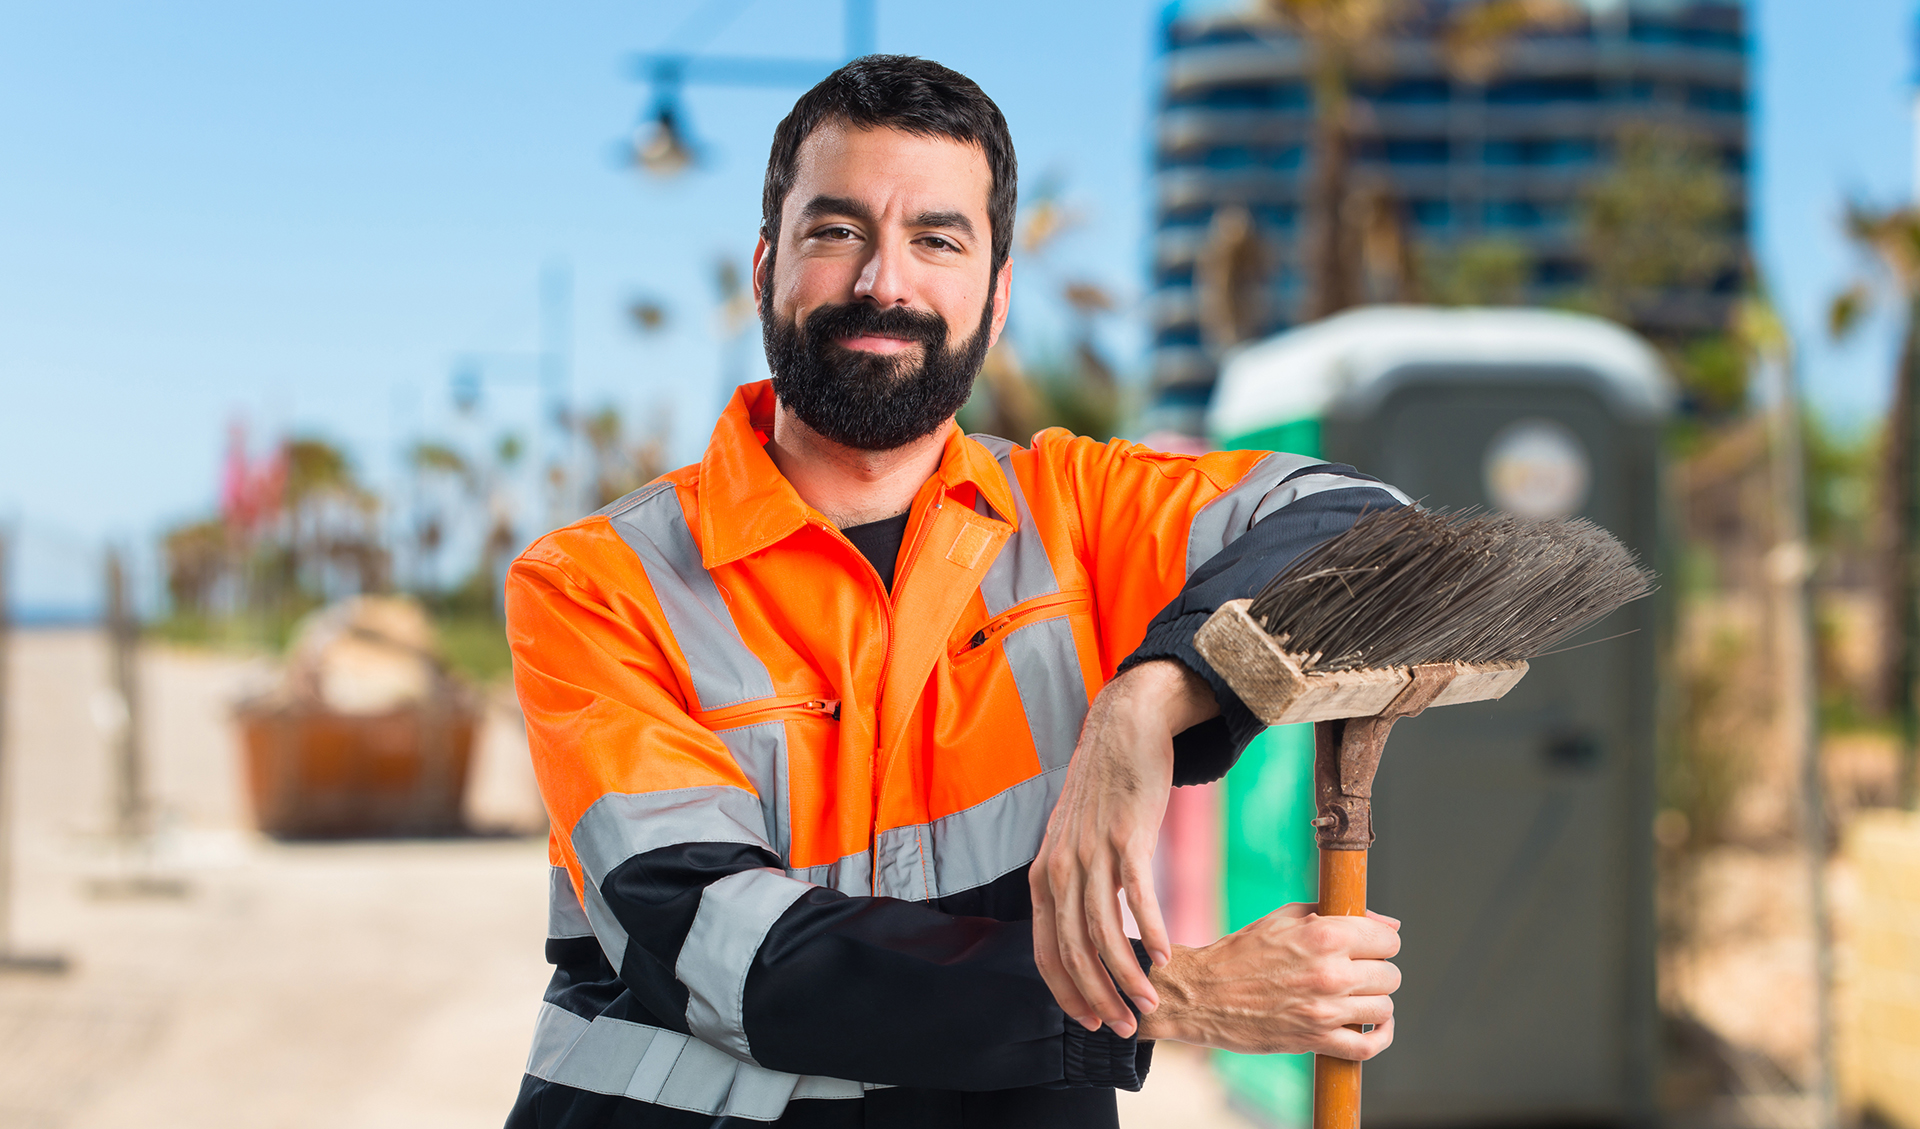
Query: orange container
point(314, 773)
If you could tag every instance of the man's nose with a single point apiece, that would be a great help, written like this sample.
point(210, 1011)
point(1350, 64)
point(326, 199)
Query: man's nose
point(884, 276)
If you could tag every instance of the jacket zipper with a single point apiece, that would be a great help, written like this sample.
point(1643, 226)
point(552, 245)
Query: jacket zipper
point(754, 713)
point(886, 663)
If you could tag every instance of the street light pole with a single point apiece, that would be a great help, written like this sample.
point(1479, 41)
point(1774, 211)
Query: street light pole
point(661, 145)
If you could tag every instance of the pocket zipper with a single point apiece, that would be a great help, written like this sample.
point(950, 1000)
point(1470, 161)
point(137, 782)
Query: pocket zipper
point(1015, 618)
point(766, 709)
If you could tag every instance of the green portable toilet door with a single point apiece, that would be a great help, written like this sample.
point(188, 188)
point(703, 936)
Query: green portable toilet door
point(1508, 831)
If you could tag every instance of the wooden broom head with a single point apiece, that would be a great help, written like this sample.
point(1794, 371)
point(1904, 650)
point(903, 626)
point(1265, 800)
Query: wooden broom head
point(1337, 632)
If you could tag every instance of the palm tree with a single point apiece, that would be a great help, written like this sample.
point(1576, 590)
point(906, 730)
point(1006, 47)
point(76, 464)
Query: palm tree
point(1341, 36)
point(1338, 33)
point(1892, 239)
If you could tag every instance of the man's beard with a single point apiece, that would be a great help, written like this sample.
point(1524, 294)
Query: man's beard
point(871, 401)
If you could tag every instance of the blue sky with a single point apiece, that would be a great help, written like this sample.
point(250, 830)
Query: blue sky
point(301, 214)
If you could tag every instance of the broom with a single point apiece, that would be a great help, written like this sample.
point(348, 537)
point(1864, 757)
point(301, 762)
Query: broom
point(1408, 609)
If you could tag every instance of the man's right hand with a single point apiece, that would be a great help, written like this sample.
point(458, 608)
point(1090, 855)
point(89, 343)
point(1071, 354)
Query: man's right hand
point(1291, 982)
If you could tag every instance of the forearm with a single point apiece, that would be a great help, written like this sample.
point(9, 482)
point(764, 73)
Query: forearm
point(806, 980)
point(1164, 697)
point(896, 992)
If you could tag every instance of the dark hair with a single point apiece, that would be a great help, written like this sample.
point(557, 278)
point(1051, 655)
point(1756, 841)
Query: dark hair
point(913, 95)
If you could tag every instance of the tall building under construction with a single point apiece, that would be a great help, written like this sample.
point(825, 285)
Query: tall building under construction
point(1453, 161)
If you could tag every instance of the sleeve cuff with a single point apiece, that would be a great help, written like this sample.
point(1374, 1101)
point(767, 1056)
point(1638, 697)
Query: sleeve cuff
point(1205, 752)
point(1103, 1058)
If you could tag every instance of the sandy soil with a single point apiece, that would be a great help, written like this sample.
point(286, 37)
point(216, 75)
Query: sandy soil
point(364, 984)
point(289, 985)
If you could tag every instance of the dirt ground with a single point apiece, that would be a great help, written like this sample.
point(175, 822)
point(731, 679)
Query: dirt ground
point(283, 986)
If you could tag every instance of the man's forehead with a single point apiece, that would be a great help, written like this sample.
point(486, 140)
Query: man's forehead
point(882, 165)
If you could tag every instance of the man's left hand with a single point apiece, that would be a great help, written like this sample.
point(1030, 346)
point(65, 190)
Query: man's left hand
point(1100, 843)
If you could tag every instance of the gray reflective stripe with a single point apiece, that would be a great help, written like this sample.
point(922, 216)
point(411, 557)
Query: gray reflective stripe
point(899, 857)
point(650, 1064)
point(723, 670)
point(850, 875)
point(565, 918)
point(1046, 671)
point(621, 825)
point(606, 927)
point(1022, 571)
point(734, 916)
point(761, 752)
point(1306, 485)
point(973, 847)
point(1221, 521)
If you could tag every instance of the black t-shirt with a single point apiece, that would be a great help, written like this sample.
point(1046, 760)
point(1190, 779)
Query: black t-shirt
point(879, 541)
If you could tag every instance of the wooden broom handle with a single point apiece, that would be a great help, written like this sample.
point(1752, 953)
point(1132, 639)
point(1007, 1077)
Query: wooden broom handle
point(1346, 754)
point(1336, 1081)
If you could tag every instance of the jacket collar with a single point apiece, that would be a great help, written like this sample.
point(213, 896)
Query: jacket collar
point(746, 504)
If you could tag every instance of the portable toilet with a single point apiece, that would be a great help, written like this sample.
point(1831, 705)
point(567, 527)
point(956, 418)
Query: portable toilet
point(1515, 836)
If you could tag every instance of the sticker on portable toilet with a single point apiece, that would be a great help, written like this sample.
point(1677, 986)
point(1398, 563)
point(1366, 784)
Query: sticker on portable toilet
point(1536, 468)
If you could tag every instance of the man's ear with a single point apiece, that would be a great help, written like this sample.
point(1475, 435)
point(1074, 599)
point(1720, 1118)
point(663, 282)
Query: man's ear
point(761, 259)
point(1001, 295)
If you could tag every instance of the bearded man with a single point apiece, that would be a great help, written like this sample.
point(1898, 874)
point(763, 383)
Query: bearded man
point(853, 733)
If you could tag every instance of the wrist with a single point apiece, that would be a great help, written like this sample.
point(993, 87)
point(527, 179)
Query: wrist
point(1174, 982)
point(1164, 693)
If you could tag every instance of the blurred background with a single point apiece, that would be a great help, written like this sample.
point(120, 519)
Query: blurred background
point(312, 316)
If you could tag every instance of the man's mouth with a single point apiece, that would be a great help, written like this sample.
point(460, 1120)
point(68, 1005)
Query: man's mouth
point(876, 343)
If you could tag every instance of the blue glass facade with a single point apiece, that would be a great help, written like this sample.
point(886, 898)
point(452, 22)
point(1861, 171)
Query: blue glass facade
point(1507, 158)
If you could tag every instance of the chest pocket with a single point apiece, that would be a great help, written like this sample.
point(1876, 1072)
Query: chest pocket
point(1029, 651)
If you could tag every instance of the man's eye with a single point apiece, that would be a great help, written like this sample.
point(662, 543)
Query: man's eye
point(941, 244)
point(835, 233)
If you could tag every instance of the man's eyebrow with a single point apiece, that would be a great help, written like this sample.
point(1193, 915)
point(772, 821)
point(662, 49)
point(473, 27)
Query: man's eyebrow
point(821, 206)
point(957, 221)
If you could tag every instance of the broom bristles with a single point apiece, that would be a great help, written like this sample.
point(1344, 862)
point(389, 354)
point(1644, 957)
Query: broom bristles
point(1407, 586)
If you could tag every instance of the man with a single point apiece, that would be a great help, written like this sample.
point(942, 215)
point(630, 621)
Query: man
point(801, 713)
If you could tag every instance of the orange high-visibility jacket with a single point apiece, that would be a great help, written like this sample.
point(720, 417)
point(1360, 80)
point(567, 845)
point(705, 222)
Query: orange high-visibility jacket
point(793, 812)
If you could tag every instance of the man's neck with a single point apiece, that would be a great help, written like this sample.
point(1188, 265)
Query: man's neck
point(848, 485)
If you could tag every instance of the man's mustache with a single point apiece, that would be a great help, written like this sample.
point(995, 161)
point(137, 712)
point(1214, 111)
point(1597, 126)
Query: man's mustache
point(855, 319)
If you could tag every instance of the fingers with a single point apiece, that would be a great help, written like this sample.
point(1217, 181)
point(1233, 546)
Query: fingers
point(1360, 938)
point(1357, 1011)
point(1374, 978)
point(1079, 949)
point(1046, 953)
point(1144, 901)
point(1356, 1046)
point(1392, 923)
point(1116, 952)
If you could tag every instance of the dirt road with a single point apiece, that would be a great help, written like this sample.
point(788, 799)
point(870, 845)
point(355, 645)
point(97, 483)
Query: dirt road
point(367, 984)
